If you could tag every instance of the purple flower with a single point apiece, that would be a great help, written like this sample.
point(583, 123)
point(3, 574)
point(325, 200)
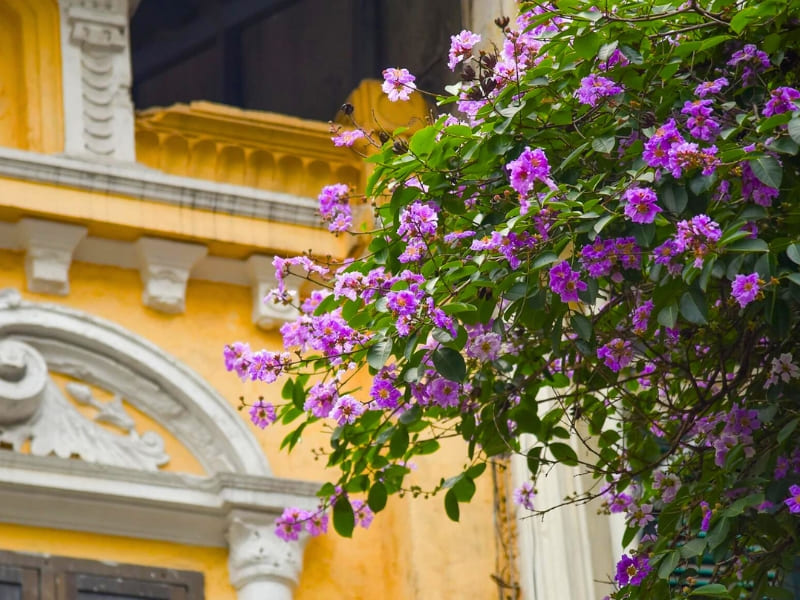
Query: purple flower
point(523, 495)
point(745, 288)
point(268, 366)
point(752, 60)
point(593, 87)
point(640, 515)
point(640, 205)
point(688, 155)
point(781, 100)
point(289, 525)
point(398, 84)
point(262, 413)
point(707, 513)
point(710, 87)
point(631, 570)
point(700, 123)
point(461, 47)
point(527, 168)
point(444, 392)
point(793, 501)
point(334, 206)
point(669, 485)
point(656, 149)
point(565, 282)
point(362, 512)
point(236, 357)
point(616, 58)
point(347, 137)
point(384, 393)
point(418, 219)
point(616, 354)
point(346, 410)
point(402, 302)
point(317, 523)
point(484, 346)
point(641, 316)
point(320, 399)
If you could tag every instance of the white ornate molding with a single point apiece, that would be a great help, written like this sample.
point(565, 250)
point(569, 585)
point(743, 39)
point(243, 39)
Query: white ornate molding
point(260, 564)
point(266, 314)
point(96, 67)
point(49, 247)
point(165, 266)
point(101, 354)
point(53, 426)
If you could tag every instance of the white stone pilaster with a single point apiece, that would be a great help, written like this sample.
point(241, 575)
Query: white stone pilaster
point(261, 565)
point(96, 73)
point(268, 315)
point(164, 266)
point(49, 247)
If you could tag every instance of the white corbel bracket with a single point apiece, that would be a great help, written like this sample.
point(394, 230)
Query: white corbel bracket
point(164, 266)
point(49, 247)
point(266, 314)
point(260, 564)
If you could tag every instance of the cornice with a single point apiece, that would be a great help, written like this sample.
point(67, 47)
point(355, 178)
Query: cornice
point(137, 181)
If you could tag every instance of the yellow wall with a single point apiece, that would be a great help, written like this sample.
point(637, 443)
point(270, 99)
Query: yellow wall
point(411, 549)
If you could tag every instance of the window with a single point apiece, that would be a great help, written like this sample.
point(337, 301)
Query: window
point(35, 577)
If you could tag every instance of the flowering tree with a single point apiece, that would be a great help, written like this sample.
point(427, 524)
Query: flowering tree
point(603, 245)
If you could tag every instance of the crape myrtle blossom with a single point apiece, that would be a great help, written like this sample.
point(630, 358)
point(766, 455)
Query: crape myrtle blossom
point(334, 207)
point(593, 87)
point(745, 288)
point(398, 84)
point(347, 138)
point(783, 369)
point(710, 87)
point(657, 148)
point(631, 570)
point(640, 204)
point(685, 156)
point(565, 282)
point(346, 410)
point(793, 501)
point(523, 495)
point(609, 257)
point(752, 60)
point(668, 484)
point(528, 168)
point(781, 100)
point(754, 189)
point(700, 123)
point(262, 413)
point(707, 514)
point(461, 47)
point(639, 514)
point(616, 354)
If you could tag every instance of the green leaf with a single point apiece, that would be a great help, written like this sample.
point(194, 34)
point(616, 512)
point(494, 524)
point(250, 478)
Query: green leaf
point(712, 590)
point(749, 245)
point(582, 326)
point(343, 518)
point(399, 443)
point(449, 363)
point(668, 564)
point(604, 145)
point(564, 453)
point(793, 252)
point(794, 278)
point(668, 315)
point(793, 127)
point(693, 307)
point(545, 259)
point(451, 505)
point(693, 548)
point(377, 496)
point(674, 198)
point(606, 50)
point(464, 489)
point(423, 142)
point(767, 169)
point(586, 46)
point(718, 533)
point(379, 353)
point(787, 430)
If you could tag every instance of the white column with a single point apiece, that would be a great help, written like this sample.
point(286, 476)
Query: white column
point(261, 565)
point(96, 73)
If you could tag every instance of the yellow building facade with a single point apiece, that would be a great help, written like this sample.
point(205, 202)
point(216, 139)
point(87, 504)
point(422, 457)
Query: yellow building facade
point(133, 247)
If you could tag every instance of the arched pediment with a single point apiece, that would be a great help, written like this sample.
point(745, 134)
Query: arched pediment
point(47, 338)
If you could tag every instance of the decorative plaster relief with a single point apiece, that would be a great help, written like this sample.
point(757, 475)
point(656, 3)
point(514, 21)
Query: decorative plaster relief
point(165, 267)
point(97, 78)
point(54, 426)
point(260, 564)
point(268, 314)
point(49, 246)
point(101, 354)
